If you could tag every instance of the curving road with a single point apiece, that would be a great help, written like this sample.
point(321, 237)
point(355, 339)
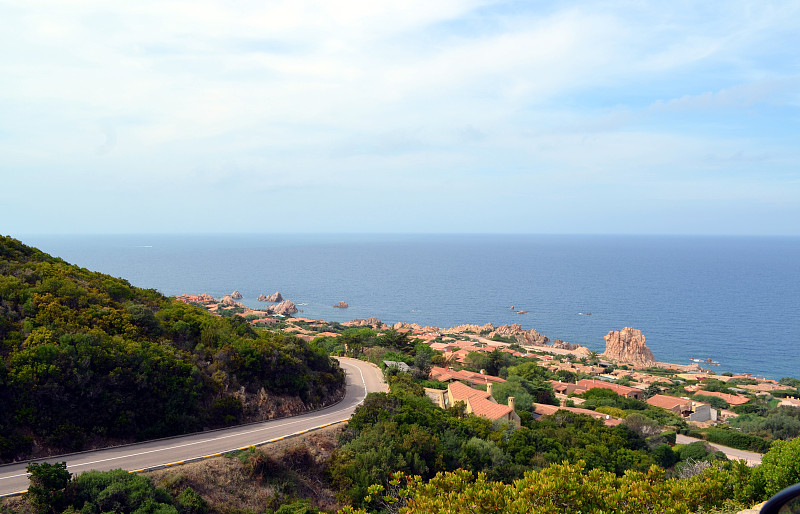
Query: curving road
point(362, 377)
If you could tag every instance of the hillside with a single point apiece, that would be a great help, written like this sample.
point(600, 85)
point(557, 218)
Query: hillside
point(86, 359)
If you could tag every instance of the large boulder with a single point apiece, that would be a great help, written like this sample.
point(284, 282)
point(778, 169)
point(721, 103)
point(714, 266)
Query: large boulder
point(285, 307)
point(628, 345)
point(236, 295)
point(529, 337)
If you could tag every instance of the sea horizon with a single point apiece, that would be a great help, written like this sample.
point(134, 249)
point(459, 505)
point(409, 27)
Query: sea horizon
point(730, 298)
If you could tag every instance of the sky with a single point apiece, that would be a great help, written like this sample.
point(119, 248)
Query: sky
point(597, 117)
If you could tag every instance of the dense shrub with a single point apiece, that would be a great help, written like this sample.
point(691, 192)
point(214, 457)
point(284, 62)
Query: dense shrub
point(85, 356)
point(736, 439)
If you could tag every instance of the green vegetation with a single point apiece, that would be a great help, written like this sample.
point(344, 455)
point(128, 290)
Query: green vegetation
point(715, 401)
point(84, 356)
point(404, 431)
point(717, 486)
point(779, 423)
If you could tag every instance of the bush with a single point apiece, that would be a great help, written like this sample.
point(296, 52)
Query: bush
point(780, 468)
point(48, 483)
point(698, 450)
point(665, 456)
point(715, 401)
point(736, 439)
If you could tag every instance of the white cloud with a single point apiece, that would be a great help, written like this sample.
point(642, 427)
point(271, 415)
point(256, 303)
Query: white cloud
point(194, 97)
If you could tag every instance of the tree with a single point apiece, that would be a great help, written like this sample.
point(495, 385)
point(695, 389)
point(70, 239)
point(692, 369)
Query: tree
point(715, 401)
point(780, 468)
point(652, 390)
point(48, 483)
point(789, 381)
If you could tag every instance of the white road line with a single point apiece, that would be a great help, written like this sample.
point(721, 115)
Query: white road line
point(237, 434)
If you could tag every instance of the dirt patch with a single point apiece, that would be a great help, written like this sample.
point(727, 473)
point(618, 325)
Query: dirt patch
point(266, 477)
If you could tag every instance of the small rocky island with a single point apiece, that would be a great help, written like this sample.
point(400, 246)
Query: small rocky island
point(275, 297)
point(341, 305)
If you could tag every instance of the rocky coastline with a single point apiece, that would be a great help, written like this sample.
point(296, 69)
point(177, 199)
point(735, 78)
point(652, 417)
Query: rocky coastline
point(623, 347)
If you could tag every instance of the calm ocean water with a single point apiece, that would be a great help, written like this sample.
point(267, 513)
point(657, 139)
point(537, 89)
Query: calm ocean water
point(733, 299)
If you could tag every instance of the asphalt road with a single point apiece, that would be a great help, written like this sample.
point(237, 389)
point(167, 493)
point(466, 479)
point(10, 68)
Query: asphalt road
point(362, 378)
point(752, 458)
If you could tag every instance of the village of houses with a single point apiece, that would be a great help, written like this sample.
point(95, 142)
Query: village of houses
point(474, 389)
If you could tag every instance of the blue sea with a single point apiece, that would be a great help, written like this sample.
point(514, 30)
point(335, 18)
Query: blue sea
point(735, 300)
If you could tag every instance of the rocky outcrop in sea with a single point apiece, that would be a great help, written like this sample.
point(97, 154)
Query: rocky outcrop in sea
point(341, 305)
point(236, 295)
point(276, 297)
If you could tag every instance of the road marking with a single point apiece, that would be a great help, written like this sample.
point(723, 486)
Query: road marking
point(263, 427)
point(204, 441)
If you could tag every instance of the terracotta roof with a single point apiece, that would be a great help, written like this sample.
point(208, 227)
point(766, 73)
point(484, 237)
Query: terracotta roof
point(445, 374)
point(730, 398)
point(487, 409)
point(460, 391)
point(619, 389)
point(668, 402)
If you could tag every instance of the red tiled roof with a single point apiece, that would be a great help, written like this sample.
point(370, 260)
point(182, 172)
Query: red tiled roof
point(460, 391)
point(668, 402)
point(487, 409)
point(619, 389)
point(730, 398)
point(445, 374)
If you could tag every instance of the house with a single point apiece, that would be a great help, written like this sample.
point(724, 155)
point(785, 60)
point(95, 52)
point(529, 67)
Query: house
point(702, 412)
point(439, 397)
point(400, 366)
point(451, 375)
point(543, 409)
point(630, 392)
point(688, 409)
point(680, 406)
point(732, 399)
point(476, 402)
point(790, 402)
point(566, 388)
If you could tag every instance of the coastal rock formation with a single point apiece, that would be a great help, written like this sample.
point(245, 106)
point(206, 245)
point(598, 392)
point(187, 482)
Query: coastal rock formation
point(271, 298)
point(285, 307)
point(341, 305)
point(528, 337)
point(628, 345)
point(228, 301)
point(416, 327)
point(369, 322)
point(475, 329)
point(576, 348)
point(236, 295)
